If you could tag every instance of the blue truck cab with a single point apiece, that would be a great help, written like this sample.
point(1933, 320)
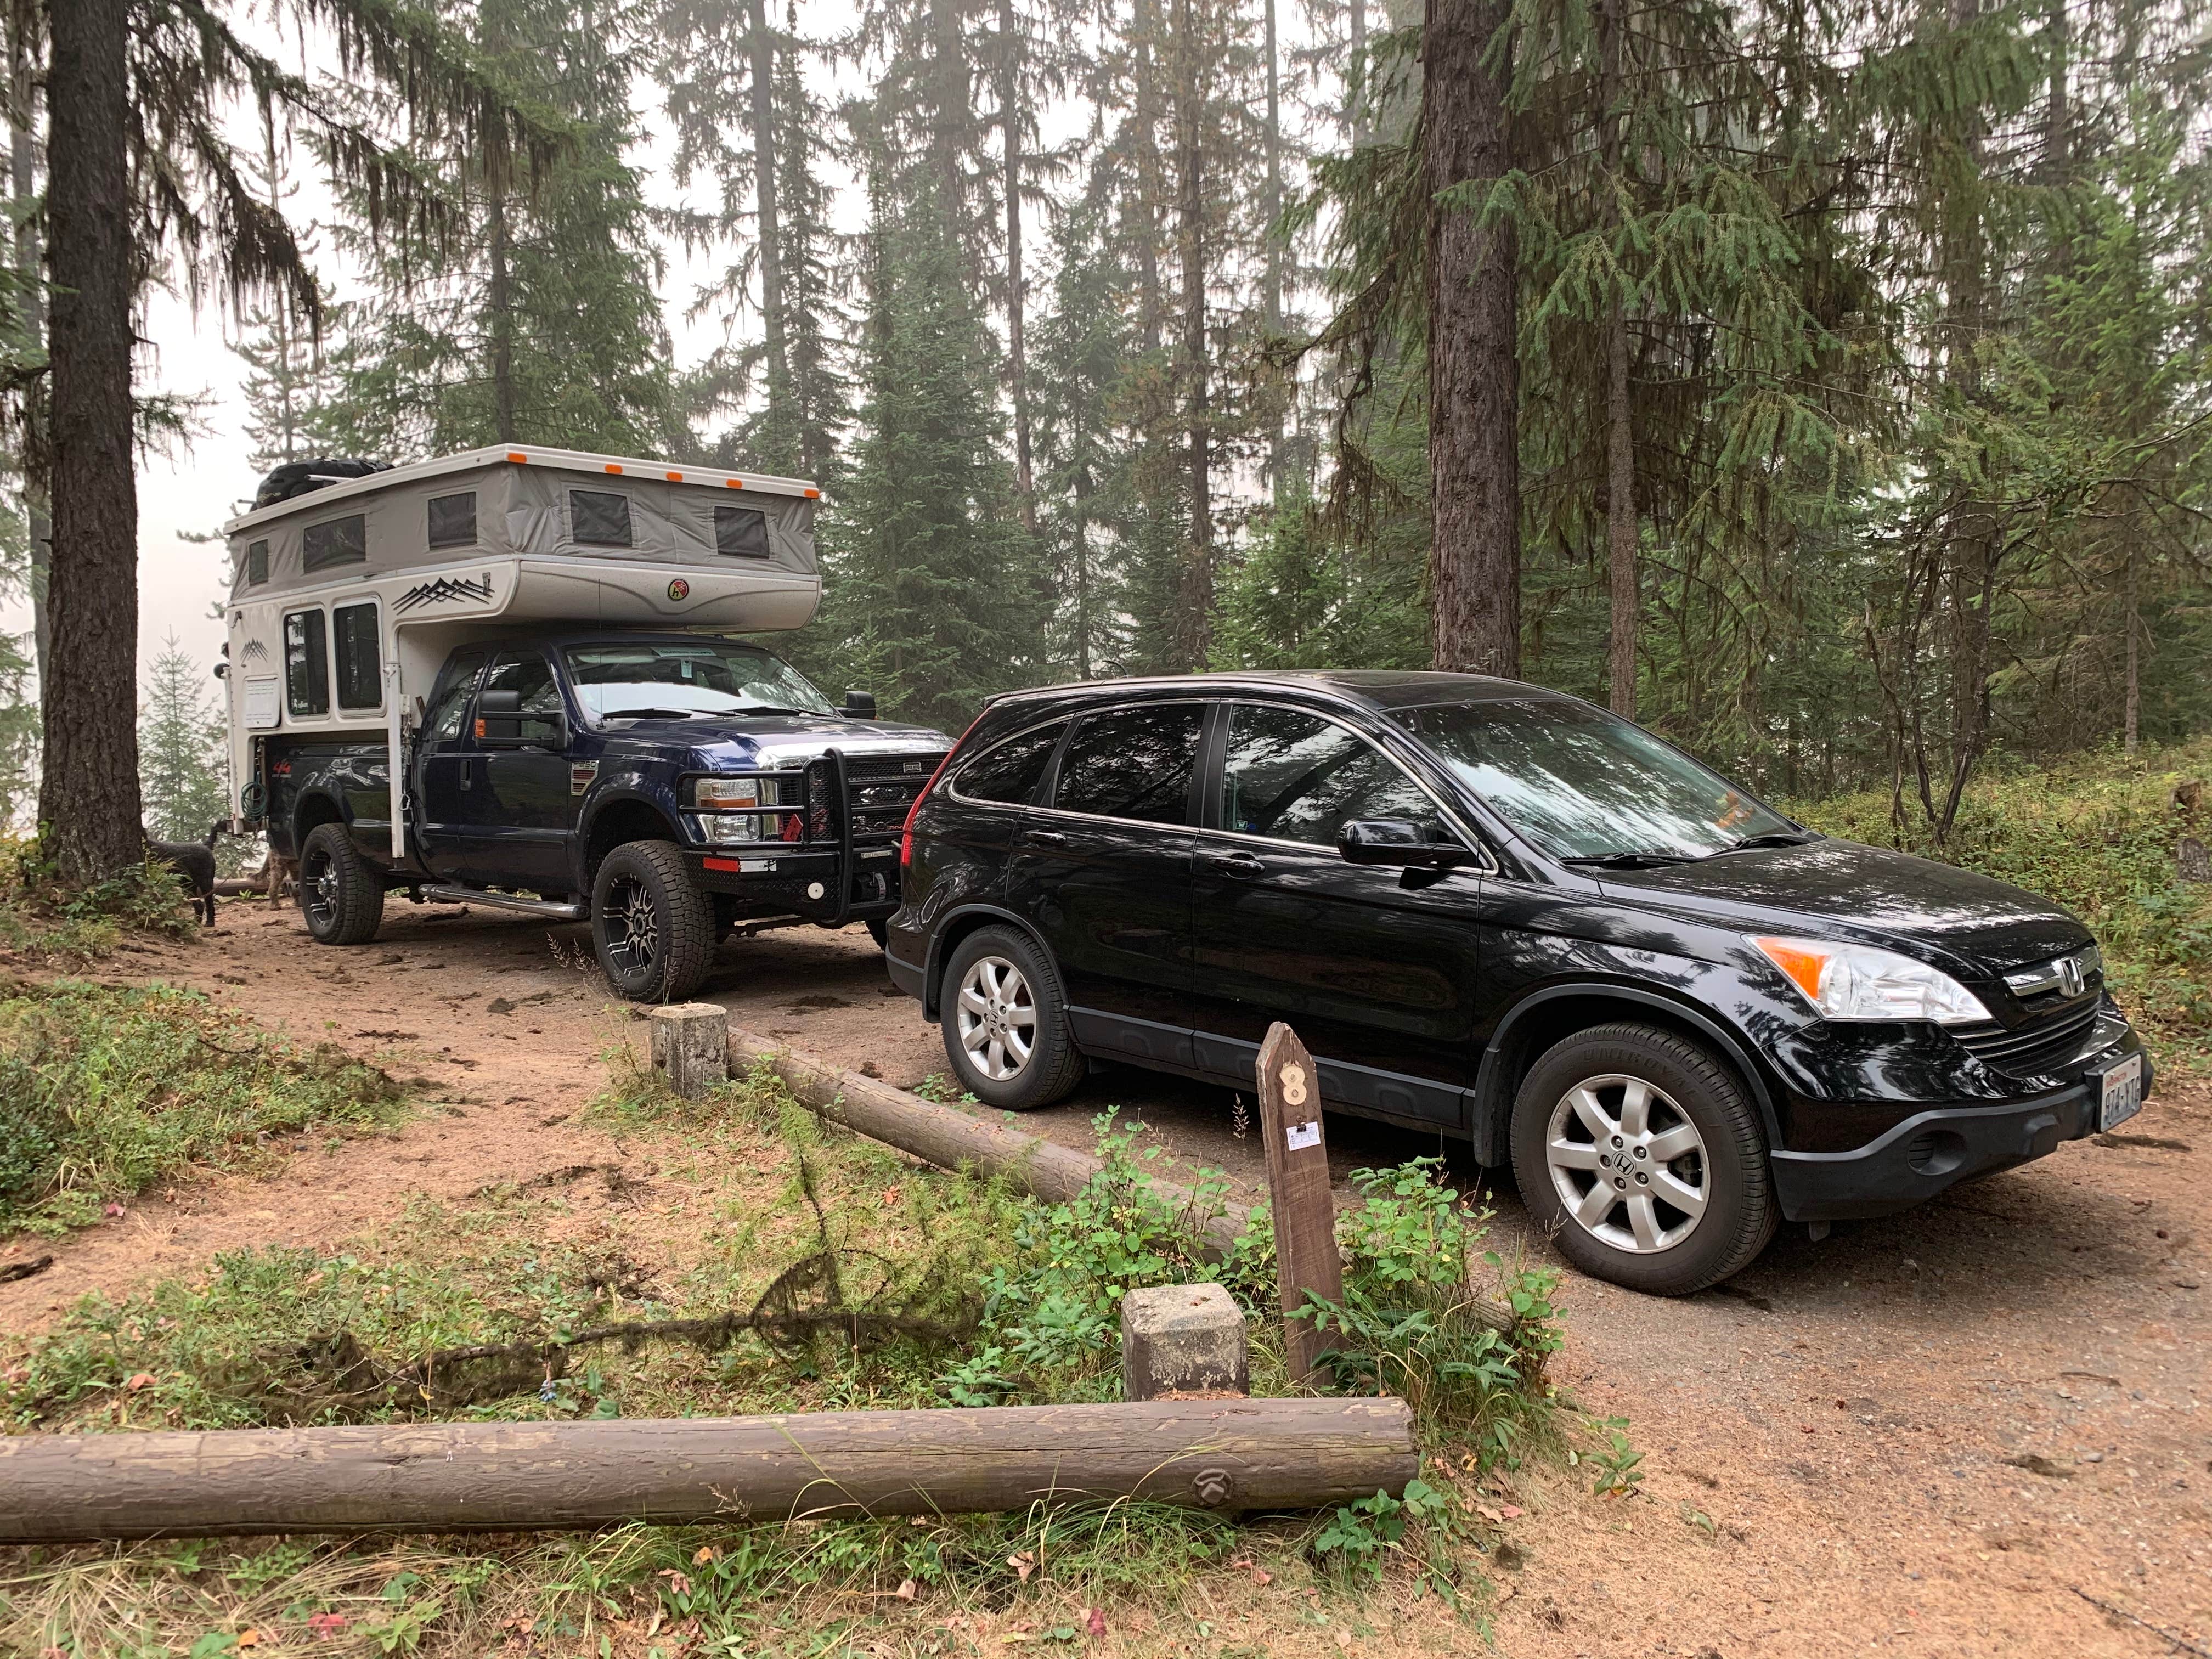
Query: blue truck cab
point(642, 766)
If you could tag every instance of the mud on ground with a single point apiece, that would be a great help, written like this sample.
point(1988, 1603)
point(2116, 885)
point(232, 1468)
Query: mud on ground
point(1982, 1427)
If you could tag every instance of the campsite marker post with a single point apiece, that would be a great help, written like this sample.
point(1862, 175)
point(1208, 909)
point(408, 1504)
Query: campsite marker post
point(1298, 1193)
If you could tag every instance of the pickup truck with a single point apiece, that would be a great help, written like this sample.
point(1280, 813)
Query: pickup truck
point(670, 787)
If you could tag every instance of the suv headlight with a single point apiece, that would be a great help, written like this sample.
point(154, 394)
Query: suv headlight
point(1856, 982)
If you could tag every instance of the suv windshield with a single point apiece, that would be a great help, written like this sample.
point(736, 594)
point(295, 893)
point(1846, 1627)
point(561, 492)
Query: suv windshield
point(695, 677)
point(1583, 784)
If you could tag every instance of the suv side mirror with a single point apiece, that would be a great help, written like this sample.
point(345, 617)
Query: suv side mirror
point(860, 705)
point(1398, 843)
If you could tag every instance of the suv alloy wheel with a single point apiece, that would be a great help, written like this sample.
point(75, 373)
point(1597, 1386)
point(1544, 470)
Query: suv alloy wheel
point(1006, 1022)
point(1642, 1157)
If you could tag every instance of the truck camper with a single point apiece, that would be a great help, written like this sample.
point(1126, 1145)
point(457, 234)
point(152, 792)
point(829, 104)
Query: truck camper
point(553, 645)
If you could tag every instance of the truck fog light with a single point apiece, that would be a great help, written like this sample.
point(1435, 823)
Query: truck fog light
point(815, 890)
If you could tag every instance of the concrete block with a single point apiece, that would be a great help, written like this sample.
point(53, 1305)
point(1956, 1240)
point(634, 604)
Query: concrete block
point(691, 1043)
point(1182, 1338)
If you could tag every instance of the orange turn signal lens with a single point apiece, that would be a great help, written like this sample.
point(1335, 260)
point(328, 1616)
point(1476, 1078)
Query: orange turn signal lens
point(1802, 966)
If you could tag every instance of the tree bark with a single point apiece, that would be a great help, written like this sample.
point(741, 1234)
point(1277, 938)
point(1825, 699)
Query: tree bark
point(89, 802)
point(1010, 87)
point(22, 157)
point(762, 50)
point(2132, 716)
point(502, 1477)
point(1474, 480)
point(1620, 524)
point(499, 299)
point(1356, 94)
point(1197, 609)
point(1152, 298)
point(1271, 297)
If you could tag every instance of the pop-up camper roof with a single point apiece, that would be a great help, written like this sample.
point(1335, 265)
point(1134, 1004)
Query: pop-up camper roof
point(595, 538)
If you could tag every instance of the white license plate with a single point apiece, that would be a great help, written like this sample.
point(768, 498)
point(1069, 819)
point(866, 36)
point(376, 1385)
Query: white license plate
point(2122, 1093)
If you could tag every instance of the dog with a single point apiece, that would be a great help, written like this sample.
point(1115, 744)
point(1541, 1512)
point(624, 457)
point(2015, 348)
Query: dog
point(194, 863)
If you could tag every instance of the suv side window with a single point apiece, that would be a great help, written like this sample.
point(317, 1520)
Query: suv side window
point(1133, 763)
point(1011, 772)
point(441, 720)
point(1294, 776)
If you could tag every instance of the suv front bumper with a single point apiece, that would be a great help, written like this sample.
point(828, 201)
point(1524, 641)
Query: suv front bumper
point(1936, 1149)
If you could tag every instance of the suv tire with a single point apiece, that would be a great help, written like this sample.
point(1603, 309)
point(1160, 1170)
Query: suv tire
point(341, 893)
point(1001, 993)
point(1646, 1118)
point(652, 928)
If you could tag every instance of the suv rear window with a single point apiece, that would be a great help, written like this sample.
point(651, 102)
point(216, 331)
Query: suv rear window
point(1012, 771)
point(1132, 763)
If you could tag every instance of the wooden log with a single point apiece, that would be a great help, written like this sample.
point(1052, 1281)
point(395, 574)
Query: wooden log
point(1303, 1208)
point(504, 1477)
point(953, 1140)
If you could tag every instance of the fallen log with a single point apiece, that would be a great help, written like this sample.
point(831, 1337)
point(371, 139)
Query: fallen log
point(952, 1139)
point(505, 1477)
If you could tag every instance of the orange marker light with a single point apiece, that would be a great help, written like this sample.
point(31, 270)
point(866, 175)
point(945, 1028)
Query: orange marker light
point(735, 483)
point(1802, 966)
point(813, 494)
point(676, 477)
point(721, 864)
point(612, 467)
point(516, 456)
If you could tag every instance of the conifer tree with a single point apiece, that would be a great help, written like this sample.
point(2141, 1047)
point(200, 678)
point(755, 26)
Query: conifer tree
point(181, 738)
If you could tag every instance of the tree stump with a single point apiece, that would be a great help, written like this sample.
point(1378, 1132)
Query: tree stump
point(692, 1044)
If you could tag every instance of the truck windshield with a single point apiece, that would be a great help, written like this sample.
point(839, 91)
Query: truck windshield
point(662, 681)
point(1589, 788)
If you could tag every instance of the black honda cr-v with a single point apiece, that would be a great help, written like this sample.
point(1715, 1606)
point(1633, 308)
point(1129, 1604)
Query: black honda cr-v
point(1499, 912)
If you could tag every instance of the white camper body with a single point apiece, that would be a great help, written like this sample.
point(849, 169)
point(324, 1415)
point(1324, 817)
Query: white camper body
point(346, 601)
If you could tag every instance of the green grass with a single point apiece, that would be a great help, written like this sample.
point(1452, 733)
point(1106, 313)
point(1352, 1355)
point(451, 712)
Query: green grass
point(1020, 1301)
point(43, 922)
point(2099, 835)
point(103, 1091)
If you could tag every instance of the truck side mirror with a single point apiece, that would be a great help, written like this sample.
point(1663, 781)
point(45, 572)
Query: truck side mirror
point(504, 701)
point(860, 705)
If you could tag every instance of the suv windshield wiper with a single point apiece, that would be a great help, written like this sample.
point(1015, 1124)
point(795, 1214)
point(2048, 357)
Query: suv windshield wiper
point(1771, 838)
point(1628, 860)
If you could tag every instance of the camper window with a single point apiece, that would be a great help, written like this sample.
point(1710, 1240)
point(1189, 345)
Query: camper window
point(257, 563)
point(307, 663)
point(358, 678)
point(453, 520)
point(741, 532)
point(599, 518)
point(341, 541)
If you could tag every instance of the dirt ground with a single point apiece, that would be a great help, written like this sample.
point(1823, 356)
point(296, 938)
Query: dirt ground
point(1981, 1427)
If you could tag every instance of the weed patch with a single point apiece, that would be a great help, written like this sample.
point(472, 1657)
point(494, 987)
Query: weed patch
point(45, 922)
point(105, 1090)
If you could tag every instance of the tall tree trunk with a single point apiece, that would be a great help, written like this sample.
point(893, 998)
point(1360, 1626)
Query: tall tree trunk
point(1474, 477)
point(1010, 116)
point(1355, 118)
point(1271, 297)
point(88, 800)
point(1150, 297)
point(499, 299)
point(762, 50)
point(1620, 522)
point(1190, 244)
point(2132, 719)
point(23, 187)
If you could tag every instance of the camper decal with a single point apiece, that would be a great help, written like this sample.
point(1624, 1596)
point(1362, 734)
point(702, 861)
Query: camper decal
point(255, 652)
point(679, 589)
point(443, 589)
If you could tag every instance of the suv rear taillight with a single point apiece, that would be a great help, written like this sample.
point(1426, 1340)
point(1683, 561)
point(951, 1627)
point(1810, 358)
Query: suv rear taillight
point(906, 833)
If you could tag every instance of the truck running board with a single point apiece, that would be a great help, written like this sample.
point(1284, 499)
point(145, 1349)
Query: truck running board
point(551, 909)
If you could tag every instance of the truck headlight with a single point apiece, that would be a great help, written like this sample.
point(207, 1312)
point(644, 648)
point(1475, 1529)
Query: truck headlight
point(728, 828)
point(1856, 982)
point(725, 794)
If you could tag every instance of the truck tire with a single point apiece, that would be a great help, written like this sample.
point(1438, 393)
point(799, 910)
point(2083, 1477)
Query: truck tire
point(1642, 1156)
point(652, 926)
point(341, 892)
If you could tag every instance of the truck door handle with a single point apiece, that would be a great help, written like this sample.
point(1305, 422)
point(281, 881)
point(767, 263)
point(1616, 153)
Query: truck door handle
point(1244, 866)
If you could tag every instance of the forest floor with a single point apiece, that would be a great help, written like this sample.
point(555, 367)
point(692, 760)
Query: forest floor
point(1981, 1427)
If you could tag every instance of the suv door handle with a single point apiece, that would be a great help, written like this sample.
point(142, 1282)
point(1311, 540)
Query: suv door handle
point(1048, 837)
point(1245, 867)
